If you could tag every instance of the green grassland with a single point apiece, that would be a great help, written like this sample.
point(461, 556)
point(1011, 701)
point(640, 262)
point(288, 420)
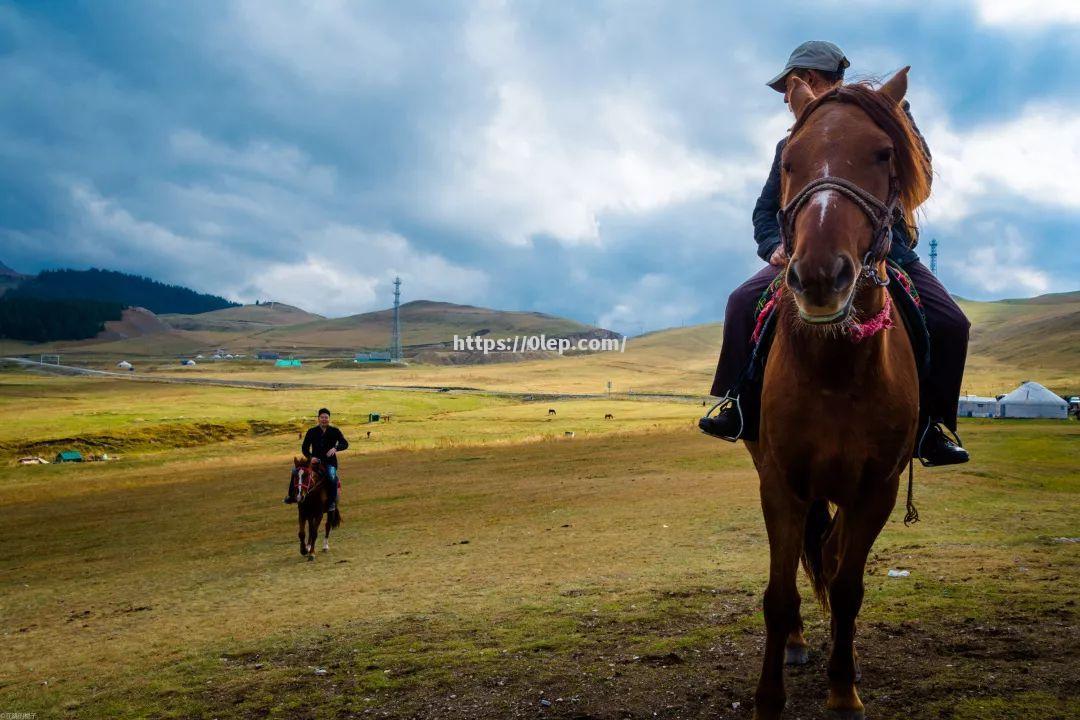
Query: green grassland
point(488, 562)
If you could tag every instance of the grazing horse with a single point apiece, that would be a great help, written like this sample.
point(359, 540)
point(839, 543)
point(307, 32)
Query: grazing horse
point(312, 499)
point(551, 411)
point(851, 167)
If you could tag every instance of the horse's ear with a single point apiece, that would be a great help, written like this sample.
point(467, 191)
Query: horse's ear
point(799, 95)
point(896, 88)
point(296, 461)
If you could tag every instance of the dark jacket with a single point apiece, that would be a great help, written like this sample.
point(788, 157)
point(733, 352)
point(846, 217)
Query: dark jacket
point(317, 442)
point(767, 229)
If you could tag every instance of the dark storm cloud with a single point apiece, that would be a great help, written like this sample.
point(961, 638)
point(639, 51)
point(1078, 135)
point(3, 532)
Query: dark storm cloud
point(594, 160)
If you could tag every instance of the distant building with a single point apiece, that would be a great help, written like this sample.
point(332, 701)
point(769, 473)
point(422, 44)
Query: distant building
point(372, 357)
point(187, 362)
point(69, 456)
point(976, 406)
point(287, 362)
point(266, 355)
point(1032, 400)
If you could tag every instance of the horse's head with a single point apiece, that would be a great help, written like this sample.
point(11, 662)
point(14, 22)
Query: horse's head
point(852, 164)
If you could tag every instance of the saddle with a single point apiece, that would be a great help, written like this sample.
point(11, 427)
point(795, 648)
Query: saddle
point(904, 295)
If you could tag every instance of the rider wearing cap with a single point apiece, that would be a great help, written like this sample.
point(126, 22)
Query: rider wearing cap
point(323, 442)
point(821, 65)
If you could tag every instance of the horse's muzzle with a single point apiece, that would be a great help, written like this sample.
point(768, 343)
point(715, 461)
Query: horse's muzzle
point(823, 291)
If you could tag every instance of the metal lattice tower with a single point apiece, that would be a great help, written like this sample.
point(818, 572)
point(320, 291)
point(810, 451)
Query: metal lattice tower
point(933, 255)
point(395, 335)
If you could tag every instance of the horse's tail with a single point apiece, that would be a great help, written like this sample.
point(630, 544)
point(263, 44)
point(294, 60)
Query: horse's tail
point(334, 518)
point(818, 523)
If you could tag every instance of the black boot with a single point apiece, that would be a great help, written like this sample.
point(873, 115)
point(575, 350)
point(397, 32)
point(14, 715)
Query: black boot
point(289, 499)
point(726, 424)
point(937, 448)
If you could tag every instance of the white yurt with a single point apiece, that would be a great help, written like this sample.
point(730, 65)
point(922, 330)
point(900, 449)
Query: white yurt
point(124, 365)
point(974, 406)
point(1032, 400)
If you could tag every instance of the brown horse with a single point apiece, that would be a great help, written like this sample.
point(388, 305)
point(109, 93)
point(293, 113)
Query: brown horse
point(312, 500)
point(852, 165)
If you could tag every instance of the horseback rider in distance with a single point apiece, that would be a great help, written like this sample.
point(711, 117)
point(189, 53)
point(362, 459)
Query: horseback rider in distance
point(323, 442)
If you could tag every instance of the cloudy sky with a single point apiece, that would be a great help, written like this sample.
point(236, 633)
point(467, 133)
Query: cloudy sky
point(597, 160)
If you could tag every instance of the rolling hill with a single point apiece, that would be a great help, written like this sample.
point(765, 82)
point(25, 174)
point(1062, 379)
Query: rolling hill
point(424, 323)
point(250, 328)
point(1012, 341)
point(242, 318)
point(1034, 338)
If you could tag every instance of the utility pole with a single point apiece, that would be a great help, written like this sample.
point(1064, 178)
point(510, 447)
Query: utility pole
point(395, 336)
point(933, 255)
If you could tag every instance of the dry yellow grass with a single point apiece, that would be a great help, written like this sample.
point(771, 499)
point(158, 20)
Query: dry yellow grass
point(139, 586)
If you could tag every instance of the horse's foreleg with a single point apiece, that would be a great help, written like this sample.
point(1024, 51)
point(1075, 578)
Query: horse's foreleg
point(300, 519)
point(857, 528)
point(312, 535)
point(785, 518)
point(326, 537)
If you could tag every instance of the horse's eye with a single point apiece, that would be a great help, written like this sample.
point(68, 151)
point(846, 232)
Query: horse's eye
point(786, 166)
point(883, 155)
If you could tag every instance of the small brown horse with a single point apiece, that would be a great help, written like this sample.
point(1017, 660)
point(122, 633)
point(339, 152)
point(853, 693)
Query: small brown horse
point(852, 165)
point(312, 499)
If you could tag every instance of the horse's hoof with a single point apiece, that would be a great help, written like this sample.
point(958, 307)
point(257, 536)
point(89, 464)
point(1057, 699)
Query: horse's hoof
point(797, 655)
point(310, 558)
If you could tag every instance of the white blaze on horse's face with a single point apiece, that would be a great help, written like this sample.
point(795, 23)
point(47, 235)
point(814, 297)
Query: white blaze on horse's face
point(823, 200)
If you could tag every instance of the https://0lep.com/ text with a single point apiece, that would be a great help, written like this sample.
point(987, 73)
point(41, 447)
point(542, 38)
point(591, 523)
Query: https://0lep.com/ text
point(537, 343)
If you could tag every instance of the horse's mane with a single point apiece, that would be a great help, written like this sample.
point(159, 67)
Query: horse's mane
point(913, 172)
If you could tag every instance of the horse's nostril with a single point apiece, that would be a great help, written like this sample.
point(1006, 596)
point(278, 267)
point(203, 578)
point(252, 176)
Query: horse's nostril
point(793, 280)
point(845, 276)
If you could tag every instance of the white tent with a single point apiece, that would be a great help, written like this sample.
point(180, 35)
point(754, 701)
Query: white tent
point(124, 365)
point(1032, 400)
point(976, 406)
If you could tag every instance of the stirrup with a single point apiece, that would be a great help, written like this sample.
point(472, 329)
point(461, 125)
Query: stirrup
point(724, 403)
point(922, 439)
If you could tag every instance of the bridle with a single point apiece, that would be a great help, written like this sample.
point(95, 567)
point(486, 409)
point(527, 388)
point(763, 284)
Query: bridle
point(882, 215)
point(314, 479)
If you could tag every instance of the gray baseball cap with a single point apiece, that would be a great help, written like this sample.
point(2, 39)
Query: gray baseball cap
point(811, 55)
